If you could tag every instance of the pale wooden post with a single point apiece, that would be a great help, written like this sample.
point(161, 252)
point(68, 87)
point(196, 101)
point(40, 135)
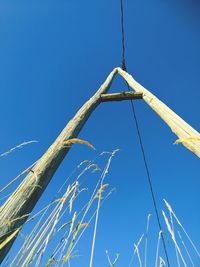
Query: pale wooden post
point(15, 211)
point(187, 135)
point(24, 199)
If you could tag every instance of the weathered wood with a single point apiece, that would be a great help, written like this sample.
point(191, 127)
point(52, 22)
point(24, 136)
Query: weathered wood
point(24, 199)
point(189, 137)
point(121, 96)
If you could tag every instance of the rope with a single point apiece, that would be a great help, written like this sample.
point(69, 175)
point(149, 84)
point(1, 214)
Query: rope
point(141, 141)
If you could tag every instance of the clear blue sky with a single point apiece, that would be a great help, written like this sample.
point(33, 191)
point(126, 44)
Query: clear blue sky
point(54, 55)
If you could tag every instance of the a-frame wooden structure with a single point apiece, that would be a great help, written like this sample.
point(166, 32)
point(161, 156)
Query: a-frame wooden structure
point(15, 211)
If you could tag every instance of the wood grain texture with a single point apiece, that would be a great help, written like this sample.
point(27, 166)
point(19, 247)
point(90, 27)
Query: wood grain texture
point(15, 211)
point(24, 199)
point(121, 96)
point(189, 137)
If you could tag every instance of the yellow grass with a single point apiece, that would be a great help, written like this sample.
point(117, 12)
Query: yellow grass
point(70, 142)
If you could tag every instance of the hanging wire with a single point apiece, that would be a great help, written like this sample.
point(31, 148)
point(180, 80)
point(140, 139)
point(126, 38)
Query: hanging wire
point(140, 138)
point(123, 40)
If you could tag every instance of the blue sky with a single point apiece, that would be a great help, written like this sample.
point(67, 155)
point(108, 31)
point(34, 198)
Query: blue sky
point(54, 55)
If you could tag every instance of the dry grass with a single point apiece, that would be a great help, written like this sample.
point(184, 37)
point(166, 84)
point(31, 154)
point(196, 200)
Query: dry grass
point(17, 147)
point(58, 220)
point(61, 223)
point(185, 140)
point(72, 141)
point(182, 255)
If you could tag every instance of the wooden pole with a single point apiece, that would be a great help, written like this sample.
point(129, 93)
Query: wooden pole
point(187, 135)
point(121, 96)
point(15, 211)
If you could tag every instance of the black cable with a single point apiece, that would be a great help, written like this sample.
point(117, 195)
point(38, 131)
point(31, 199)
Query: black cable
point(149, 181)
point(140, 139)
point(123, 39)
